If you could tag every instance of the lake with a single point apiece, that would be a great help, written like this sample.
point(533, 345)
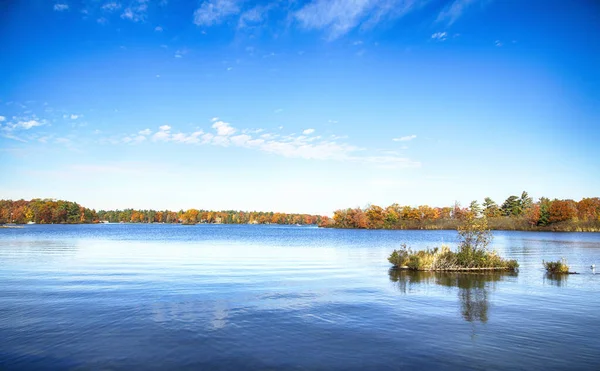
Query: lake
point(164, 297)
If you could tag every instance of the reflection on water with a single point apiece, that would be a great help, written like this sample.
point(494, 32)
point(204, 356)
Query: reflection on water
point(555, 279)
point(473, 288)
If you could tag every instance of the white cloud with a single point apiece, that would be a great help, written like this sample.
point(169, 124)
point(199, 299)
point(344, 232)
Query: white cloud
point(102, 20)
point(440, 36)
point(158, 29)
point(28, 124)
point(136, 12)
point(2, 118)
point(181, 52)
point(223, 128)
point(163, 134)
point(240, 140)
point(145, 132)
point(184, 138)
point(308, 131)
point(74, 117)
point(405, 138)
point(61, 7)
point(253, 16)
point(338, 17)
point(214, 119)
point(498, 43)
point(207, 138)
point(213, 12)
point(455, 10)
point(111, 6)
point(292, 146)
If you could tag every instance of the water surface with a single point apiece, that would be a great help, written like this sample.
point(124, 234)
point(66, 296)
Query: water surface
point(278, 297)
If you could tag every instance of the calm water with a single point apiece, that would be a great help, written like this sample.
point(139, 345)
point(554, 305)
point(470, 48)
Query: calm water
point(271, 297)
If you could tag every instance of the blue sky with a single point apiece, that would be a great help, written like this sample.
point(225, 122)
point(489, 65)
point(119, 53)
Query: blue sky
point(298, 106)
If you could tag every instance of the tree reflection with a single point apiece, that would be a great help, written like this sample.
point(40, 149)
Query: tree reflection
point(473, 288)
point(556, 279)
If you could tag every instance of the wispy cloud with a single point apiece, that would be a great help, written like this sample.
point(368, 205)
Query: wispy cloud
point(404, 139)
point(137, 11)
point(181, 52)
point(440, 36)
point(457, 8)
point(61, 7)
point(306, 146)
point(338, 17)
point(18, 126)
point(212, 12)
point(253, 16)
point(158, 29)
point(111, 6)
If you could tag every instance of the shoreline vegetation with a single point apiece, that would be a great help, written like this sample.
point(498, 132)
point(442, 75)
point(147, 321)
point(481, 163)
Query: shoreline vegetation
point(50, 211)
point(472, 253)
point(515, 214)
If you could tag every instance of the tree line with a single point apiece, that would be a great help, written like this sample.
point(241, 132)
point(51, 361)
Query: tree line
point(515, 213)
point(50, 211)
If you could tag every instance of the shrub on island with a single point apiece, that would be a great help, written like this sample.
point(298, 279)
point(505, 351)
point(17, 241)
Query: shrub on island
point(472, 253)
point(557, 267)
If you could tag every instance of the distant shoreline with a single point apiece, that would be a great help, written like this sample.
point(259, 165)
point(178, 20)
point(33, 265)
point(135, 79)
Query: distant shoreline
point(495, 224)
point(554, 228)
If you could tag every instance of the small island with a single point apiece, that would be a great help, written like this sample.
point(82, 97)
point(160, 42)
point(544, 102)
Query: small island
point(472, 254)
point(557, 267)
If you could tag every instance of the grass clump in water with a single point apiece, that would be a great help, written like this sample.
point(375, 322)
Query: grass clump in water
point(472, 253)
point(559, 266)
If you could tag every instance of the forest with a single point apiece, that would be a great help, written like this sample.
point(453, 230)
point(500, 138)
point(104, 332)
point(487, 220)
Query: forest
point(50, 211)
point(515, 213)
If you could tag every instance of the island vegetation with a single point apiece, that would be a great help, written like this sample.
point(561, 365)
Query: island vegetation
point(516, 213)
point(557, 267)
point(50, 211)
point(472, 253)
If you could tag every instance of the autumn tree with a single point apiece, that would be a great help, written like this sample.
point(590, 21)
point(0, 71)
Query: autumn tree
point(375, 216)
point(490, 208)
point(589, 209)
point(562, 210)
